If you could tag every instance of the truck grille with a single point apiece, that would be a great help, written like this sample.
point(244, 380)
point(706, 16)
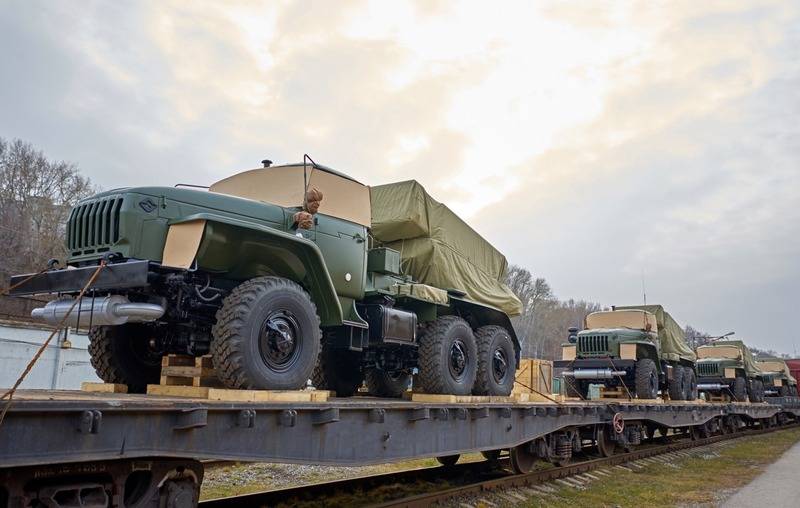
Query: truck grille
point(593, 344)
point(94, 227)
point(706, 369)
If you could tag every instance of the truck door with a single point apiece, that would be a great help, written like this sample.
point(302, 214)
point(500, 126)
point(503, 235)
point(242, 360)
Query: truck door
point(344, 247)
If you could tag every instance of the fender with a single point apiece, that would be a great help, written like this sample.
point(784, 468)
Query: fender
point(485, 315)
point(241, 250)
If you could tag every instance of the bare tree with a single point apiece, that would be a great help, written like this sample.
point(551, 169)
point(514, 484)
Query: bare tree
point(36, 195)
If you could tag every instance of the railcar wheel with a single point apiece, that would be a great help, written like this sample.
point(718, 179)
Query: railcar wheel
point(447, 357)
point(605, 445)
point(337, 369)
point(122, 354)
point(448, 460)
point(677, 385)
point(522, 460)
point(497, 361)
point(267, 336)
point(646, 379)
point(382, 383)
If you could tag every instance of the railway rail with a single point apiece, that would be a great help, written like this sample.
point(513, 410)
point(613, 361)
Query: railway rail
point(141, 450)
point(474, 478)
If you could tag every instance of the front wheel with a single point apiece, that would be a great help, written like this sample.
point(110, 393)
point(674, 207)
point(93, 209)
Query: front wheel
point(740, 389)
point(267, 336)
point(497, 361)
point(646, 379)
point(677, 385)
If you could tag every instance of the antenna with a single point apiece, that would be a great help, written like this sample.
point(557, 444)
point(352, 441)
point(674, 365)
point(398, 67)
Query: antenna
point(644, 292)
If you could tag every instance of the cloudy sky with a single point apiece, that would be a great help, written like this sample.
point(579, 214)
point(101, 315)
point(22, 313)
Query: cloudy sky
point(596, 143)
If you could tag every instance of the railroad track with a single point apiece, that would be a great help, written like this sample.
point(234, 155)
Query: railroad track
point(476, 478)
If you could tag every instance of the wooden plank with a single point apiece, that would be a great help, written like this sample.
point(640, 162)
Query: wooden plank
point(268, 395)
point(177, 361)
point(459, 399)
point(104, 387)
point(207, 381)
point(176, 381)
point(194, 392)
point(188, 371)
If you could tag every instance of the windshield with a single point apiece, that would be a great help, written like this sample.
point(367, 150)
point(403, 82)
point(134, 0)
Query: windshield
point(730, 352)
point(635, 319)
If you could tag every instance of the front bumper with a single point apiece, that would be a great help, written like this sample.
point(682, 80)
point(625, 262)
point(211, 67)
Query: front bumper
point(594, 363)
point(131, 274)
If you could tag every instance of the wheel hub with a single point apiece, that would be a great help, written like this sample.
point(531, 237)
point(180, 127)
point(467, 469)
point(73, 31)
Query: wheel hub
point(458, 358)
point(499, 365)
point(278, 339)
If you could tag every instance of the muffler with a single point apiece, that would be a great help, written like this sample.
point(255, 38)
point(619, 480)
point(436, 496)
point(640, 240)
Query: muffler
point(100, 311)
point(712, 386)
point(594, 373)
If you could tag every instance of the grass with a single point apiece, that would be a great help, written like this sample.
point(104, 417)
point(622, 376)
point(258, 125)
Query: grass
point(691, 481)
point(249, 478)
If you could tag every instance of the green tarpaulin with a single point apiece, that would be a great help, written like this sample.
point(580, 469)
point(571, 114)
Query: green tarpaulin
point(437, 247)
point(750, 365)
point(670, 333)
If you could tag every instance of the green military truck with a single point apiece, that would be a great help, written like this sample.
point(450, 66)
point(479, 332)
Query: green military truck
point(726, 367)
point(638, 348)
point(285, 274)
point(777, 378)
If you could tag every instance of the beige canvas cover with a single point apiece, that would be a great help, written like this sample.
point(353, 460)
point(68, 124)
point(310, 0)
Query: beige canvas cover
point(283, 186)
point(670, 333)
point(776, 365)
point(750, 365)
point(437, 247)
point(729, 352)
point(635, 319)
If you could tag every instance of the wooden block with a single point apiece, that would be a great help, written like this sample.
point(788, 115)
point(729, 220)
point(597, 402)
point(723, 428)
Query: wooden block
point(230, 395)
point(188, 371)
point(177, 361)
point(104, 387)
point(204, 362)
point(194, 392)
point(268, 395)
point(176, 381)
point(207, 381)
point(533, 397)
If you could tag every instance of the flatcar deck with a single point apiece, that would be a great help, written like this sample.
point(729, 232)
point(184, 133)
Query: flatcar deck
point(51, 427)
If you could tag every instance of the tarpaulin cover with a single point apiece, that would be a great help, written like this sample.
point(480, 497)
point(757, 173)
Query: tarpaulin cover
point(437, 247)
point(750, 365)
point(670, 333)
point(773, 364)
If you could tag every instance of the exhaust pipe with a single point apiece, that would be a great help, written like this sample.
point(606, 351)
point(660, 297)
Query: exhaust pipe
point(102, 311)
point(712, 386)
point(594, 373)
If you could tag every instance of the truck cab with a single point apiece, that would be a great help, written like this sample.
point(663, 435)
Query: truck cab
point(727, 368)
point(778, 380)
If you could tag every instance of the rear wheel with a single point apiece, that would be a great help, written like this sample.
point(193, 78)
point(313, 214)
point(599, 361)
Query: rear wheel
point(447, 357)
point(690, 382)
point(381, 383)
point(677, 385)
point(338, 370)
point(497, 361)
point(646, 379)
point(740, 389)
point(267, 336)
point(122, 354)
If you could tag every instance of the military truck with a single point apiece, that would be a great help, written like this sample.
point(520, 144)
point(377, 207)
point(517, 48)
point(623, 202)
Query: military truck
point(285, 273)
point(639, 349)
point(777, 378)
point(726, 367)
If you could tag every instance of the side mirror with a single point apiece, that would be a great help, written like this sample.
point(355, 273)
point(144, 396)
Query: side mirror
point(572, 329)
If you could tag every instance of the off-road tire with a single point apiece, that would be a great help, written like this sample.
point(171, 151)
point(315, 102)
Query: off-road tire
point(435, 343)
point(490, 339)
point(338, 370)
point(381, 383)
point(753, 391)
point(235, 348)
point(739, 390)
point(677, 385)
point(646, 379)
point(758, 387)
point(690, 382)
point(119, 354)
